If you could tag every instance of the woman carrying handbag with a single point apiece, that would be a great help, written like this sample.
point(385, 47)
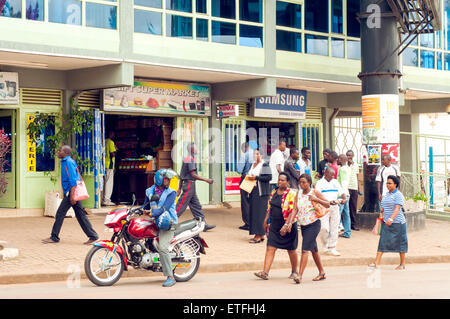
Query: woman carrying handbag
point(306, 201)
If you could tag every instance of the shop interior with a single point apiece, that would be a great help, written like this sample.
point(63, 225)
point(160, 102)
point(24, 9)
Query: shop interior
point(286, 131)
point(143, 145)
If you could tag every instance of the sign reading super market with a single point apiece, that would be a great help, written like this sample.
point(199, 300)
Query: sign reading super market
point(287, 104)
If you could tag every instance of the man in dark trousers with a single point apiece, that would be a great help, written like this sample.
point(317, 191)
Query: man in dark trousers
point(245, 163)
point(188, 176)
point(69, 177)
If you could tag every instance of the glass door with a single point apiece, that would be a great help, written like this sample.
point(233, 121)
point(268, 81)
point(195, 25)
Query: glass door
point(233, 135)
point(193, 130)
point(7, 124)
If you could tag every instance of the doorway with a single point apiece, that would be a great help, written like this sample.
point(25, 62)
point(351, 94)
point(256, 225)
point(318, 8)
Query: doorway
point(7, 125)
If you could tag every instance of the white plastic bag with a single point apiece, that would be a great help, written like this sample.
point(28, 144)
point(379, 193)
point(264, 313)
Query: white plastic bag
point(52, 201)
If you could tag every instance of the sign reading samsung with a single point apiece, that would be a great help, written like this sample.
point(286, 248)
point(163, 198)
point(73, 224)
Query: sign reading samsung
point(290, 104)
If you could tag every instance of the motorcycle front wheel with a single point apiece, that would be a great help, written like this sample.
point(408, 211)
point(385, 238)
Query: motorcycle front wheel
point(103, 267)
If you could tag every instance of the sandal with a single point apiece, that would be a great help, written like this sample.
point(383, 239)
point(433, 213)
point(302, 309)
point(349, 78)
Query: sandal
point(373, 265)
point(262, 275)
point(254, 241)
point(297, 279)
point(400, 267)
point(293, 274)
point(320, 277)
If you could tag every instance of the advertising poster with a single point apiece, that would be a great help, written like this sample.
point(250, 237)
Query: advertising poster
point(287, 104)
point(374, 152)
point(227, 110)
point(9, 87)
point(160, 97)
point(232, 185)
point(393, 150)
point(380, 116)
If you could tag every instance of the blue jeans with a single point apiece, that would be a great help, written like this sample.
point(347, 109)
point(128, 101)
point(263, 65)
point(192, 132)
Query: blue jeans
point(345, 217)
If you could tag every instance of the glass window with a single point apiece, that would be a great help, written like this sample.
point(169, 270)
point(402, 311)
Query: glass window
point(64, 11)
point(337, 48)
point(201, 6)
point(316, 17)
point(353, 50)
point(410, 57)
point(224, 32)
point(251, 10)
point(439, 60)
point(447, 61)
point(251, 36)
point(289, 14)
point(438, 39)
point(11, 8)
point(415, 42)
point(289, 41)
point(426, 59)
point(202, 30)
point(446, 24)
point(337, 23)
point(35, 10)
point(427, 40)
point(179, 5)
point(353, 9)
point(178, 26)
point(45, 160)
point(224, 9)
point(101, 16)
point(147, 22)
point(315, 44)
point(149, 3)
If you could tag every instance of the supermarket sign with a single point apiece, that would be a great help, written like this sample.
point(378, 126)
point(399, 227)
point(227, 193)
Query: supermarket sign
point(159, 97)
point(287, 104)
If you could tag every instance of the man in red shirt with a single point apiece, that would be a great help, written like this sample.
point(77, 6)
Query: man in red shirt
point(332, 162)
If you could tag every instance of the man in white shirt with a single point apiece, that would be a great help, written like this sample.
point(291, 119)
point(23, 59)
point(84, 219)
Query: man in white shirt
point(382, 174)
point(353, 188)
point(304, 163)
point(276, 163)
point(331, 190)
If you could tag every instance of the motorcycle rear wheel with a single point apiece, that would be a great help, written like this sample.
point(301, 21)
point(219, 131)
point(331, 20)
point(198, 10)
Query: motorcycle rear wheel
point(186, 270)
point(100, 260)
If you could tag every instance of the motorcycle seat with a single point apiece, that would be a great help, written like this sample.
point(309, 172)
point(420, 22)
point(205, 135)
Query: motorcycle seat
point(187, 225)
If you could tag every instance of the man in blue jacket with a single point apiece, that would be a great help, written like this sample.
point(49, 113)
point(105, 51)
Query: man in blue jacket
point(69, 178)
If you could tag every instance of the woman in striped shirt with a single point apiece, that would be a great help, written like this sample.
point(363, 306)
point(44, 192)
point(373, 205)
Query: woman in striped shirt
point(393, 230)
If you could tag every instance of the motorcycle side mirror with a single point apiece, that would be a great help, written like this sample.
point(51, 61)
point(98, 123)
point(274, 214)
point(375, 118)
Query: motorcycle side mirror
point(155, 198)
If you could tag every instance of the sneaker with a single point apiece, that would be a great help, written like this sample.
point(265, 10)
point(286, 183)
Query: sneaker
point(169, 282)
point(334, 252)
point(325, 251)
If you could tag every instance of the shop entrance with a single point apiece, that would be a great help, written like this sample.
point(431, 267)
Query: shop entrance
point(7, 125)
point(267, 135)
point(143, 145)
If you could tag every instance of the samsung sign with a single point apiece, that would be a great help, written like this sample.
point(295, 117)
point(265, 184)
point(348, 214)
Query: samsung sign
point(288, 104)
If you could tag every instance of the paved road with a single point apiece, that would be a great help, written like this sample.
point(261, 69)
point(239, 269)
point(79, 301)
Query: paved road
point(418, 281)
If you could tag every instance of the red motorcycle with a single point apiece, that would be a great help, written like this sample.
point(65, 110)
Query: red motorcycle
point(135, 243)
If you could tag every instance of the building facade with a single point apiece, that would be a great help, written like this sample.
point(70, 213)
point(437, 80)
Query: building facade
point(241, 50)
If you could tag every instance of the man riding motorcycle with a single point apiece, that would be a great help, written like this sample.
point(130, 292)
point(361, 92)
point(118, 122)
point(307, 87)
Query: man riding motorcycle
point(163, 210)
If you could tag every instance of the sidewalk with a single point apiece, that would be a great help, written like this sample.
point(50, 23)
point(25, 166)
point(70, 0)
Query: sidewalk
point(228, 250)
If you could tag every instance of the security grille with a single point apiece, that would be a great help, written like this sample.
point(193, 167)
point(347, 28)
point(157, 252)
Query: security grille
point(41, 97)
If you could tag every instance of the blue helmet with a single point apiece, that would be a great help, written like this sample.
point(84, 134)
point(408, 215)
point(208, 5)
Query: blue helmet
point(163, 173)
point(159, 176)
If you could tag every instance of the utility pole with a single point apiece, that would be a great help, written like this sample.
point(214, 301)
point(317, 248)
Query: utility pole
point(380, 81)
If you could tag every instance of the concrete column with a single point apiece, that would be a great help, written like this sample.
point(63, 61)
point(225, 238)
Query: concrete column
point(270, 35)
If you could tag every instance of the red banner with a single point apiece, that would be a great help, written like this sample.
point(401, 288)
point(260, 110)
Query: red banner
point(232, 185)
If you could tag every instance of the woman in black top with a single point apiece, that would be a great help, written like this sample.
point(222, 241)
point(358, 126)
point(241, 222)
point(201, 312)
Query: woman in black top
point(278, 237)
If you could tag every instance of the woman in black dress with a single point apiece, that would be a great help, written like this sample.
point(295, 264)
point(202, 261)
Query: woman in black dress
point(259, 171)
point(281, 207)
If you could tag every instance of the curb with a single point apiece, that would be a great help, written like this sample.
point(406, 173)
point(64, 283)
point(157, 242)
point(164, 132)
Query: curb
point(228, 267)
